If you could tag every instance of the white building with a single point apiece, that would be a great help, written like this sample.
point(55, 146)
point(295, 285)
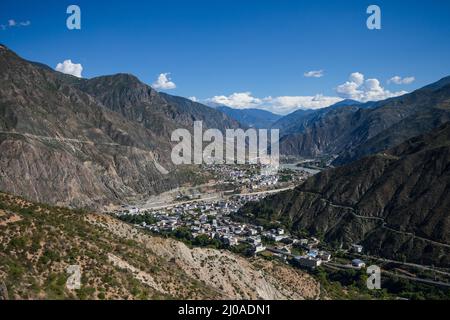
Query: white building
point(259, 248)
point(358, 263)
point(231, 241)
point(308, 262)
point(133, 210)
point(357, 248)
point(275, 237)
point(254, 240)
point(325, 256)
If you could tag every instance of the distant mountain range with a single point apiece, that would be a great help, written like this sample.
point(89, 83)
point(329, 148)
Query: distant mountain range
point(291, 123)
point(395, 203)
point(88, 142)
point(299, 120)
point(353, 131)
point(251, 118)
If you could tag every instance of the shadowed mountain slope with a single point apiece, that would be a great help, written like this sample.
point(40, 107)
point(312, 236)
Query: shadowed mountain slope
point(395, 203)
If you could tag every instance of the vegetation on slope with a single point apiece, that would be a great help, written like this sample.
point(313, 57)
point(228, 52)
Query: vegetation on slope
point(39, 245)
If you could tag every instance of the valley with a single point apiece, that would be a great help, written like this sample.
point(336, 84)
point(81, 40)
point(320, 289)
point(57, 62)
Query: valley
point(216, 222)
point(87, 179)
point(376, 201)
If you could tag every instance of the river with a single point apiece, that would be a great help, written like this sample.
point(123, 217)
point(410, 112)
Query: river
point(293, 166)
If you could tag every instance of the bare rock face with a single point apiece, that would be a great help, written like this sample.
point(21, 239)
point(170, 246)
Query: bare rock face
point(395, 203)
point(232, 276)
point(78, 175)
point(120, 261)
point(86, 143)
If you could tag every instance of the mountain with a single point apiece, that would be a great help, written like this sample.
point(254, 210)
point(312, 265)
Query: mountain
point(138, 102)
point(298, 121)
point(357, 131)
point(295, 121)
point(319, 132)
point(252, 118)
point(346, 102)
point(88, 143)
point(119, 261)
point(394, 203)
point(211, 118)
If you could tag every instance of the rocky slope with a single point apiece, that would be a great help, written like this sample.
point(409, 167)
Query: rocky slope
point(297, 121)
point(159, 112)
point(88, 143)
point(395, 203)
point(117, 261)
point(318, 132)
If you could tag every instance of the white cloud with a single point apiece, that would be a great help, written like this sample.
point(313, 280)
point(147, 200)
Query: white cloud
point(14, 24)
point(288, 104)
point(357, 78)
point(239, 100)
point(164, 82)
point(279, 105)
point(68, 67)
point(314, 74)
point(364, 90)
point(400, 80)
point(193, 99)
point(356, 88)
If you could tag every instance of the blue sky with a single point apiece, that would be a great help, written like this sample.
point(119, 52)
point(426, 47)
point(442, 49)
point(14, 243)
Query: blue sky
point(247, 53)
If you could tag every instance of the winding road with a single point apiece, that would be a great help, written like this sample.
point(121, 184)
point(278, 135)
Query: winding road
point(382, 220)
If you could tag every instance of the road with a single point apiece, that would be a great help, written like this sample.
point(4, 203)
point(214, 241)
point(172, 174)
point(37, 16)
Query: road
point(217, 196)
point(173, 204)
point(427, 281)
point(415, 265)
point(158, 166)
point(382, 220)
point(263, 192)
point(57, 139)
point(392, 274)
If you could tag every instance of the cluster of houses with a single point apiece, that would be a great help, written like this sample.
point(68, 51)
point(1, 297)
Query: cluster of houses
point(250, 177)
point(275, 234)
point(210, 218)
point(213, 219)
point(313, 259)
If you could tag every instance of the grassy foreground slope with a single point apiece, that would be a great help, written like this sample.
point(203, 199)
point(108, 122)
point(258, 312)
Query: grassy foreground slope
point(39, 242)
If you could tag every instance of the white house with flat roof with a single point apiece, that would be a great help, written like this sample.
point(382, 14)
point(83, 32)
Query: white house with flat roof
point(357, 248)
point(308, 262)
point(358, 263)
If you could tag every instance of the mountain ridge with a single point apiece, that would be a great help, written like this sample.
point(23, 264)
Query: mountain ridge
point(251, 117)
point(354, 132)
point(395, 203)
point(81, 148)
